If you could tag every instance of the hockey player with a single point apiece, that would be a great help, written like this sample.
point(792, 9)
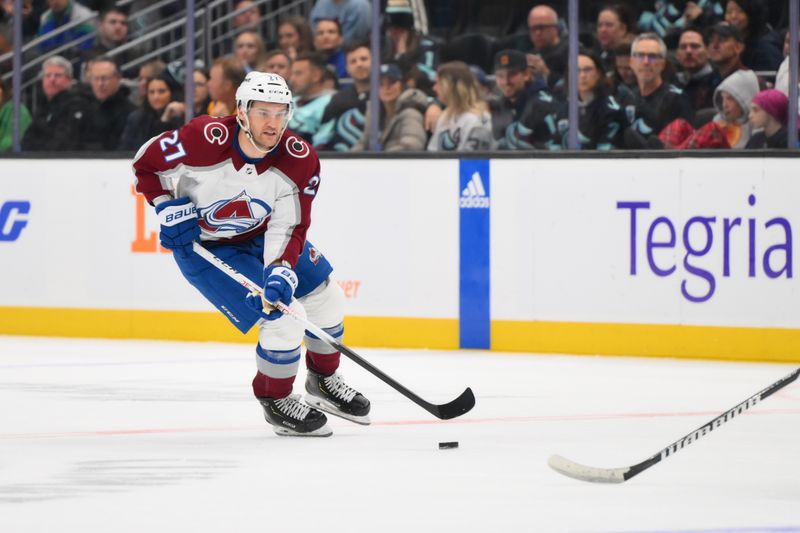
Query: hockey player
point(243, 186)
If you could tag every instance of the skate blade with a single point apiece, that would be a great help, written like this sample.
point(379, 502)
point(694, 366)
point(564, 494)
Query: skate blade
point(323, 405)
point(324, 431)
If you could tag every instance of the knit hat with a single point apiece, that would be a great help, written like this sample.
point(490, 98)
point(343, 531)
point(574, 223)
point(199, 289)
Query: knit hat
point(400, 14)
point(774, 103)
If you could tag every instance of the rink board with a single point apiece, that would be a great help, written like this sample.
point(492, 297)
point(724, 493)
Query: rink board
point(672, 257)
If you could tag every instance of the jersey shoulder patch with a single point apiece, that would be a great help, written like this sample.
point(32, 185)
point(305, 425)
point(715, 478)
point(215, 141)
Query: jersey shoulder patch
point(296, 147)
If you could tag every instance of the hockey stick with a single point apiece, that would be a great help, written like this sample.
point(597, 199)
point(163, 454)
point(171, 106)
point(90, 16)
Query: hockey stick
point(446, 411)
point(575, 470)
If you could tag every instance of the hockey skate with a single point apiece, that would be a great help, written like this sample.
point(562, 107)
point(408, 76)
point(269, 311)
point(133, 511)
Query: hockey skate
point(332, 395)
point(290, 417)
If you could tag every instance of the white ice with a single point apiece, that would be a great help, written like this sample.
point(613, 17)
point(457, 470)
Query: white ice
point(118, 436)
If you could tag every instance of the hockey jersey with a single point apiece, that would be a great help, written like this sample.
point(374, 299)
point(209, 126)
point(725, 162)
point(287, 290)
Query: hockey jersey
point(236, 197)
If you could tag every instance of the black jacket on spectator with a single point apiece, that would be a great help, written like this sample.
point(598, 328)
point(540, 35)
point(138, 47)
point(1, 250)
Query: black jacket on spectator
point(600, 123)
point(58, 124)
point(536, 127)
point(106, 121)
point(556, 59)
point(648, 115)
point(759, 140)
point(343, 121)
point(505, 112)
point(763, 53)
point(142, 124)
point(698, 91)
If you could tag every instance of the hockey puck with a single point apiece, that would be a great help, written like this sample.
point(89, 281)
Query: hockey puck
point(448, 445)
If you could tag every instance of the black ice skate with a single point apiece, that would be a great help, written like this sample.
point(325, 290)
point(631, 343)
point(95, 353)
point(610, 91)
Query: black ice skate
point(331, 394)
point(290, 417)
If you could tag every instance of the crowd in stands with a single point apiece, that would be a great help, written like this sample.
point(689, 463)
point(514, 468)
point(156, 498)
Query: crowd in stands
point(681, 74)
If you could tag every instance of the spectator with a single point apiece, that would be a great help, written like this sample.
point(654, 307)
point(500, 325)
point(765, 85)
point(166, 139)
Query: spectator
point(405, 46)
point(147, 72)
point(153, 117)
point(669, 19)
point(768, 116)
point(249, 49)
point(59, 121)
point(61, 13)
point(545, 37)
point(112, 32)
point(654, 103)
point(7, 118)
point(328, 41)
point(514, 82)
point(225, 76)
point(247, 16)
point(295, 36)
point(344, 119)
point(615, 24)
point(31, 15)
point(465, 124)
point(402, 114)
point(354, 17)
point(730, 127)
point(697, 77)
point(279, 62)
point(732, 100)
point(623, 79)
point(201, 96)
point(725, 49)
point(310, 98)
point(110, 106)
point(601, 120)
point(762, 49)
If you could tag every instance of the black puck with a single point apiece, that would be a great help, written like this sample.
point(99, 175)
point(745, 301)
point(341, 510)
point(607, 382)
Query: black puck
point(448, 445)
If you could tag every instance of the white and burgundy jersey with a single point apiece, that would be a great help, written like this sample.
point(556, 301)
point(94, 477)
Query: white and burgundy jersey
point(237, 198)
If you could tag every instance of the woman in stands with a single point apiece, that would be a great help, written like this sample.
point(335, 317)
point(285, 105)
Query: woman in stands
point(465, 123)
point(615, 25)
point(153, 117)
point(295, 36)
point(249, 49)
point(762, 50)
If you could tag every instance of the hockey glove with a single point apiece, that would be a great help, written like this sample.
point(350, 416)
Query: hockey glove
point(280, 283)
point(254, 302)
point(179, 226)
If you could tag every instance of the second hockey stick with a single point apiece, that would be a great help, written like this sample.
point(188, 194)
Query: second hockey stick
point(575, 470)
point(457, 407)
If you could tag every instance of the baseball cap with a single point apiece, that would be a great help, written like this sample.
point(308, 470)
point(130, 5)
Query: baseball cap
point(391, 71)
point(723, 29)
point(510, 59)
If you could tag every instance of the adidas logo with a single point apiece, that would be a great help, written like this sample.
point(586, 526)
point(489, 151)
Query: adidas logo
point(474, 195)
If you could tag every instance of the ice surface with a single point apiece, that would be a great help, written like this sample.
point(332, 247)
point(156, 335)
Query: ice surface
point(118, 436)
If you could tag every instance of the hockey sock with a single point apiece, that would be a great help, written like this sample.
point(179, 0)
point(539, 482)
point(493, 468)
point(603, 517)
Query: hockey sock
point(267, 387)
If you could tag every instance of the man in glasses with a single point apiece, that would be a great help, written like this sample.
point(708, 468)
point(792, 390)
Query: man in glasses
point(243, 186)
point(697, 77)
point(654, 103)
point(550, 51)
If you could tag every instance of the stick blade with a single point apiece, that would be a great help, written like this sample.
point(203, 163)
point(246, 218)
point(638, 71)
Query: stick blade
point(564, 466)
point(457, 407)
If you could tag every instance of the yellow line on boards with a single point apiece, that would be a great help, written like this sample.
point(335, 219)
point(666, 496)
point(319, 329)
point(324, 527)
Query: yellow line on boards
point(653, 340)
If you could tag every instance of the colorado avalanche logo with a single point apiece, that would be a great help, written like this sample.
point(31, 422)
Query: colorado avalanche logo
point(314, 255)
point(297, 147)
point(239, 215)
point(216, 133)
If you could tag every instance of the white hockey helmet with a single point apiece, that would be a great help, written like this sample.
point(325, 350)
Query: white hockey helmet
point(264, 87)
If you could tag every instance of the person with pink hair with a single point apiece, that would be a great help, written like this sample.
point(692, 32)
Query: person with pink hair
point(769, 115)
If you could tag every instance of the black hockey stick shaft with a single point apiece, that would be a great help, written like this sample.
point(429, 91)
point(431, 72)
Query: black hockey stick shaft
point(453, 409)
point(711, 425)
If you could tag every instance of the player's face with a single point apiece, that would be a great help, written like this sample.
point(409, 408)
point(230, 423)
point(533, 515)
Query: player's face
point(266, 122)
point(54, 80)
point(158, 94)
point(358, 64)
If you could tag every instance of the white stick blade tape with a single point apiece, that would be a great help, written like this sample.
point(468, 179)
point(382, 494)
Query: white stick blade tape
point(564, 466)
